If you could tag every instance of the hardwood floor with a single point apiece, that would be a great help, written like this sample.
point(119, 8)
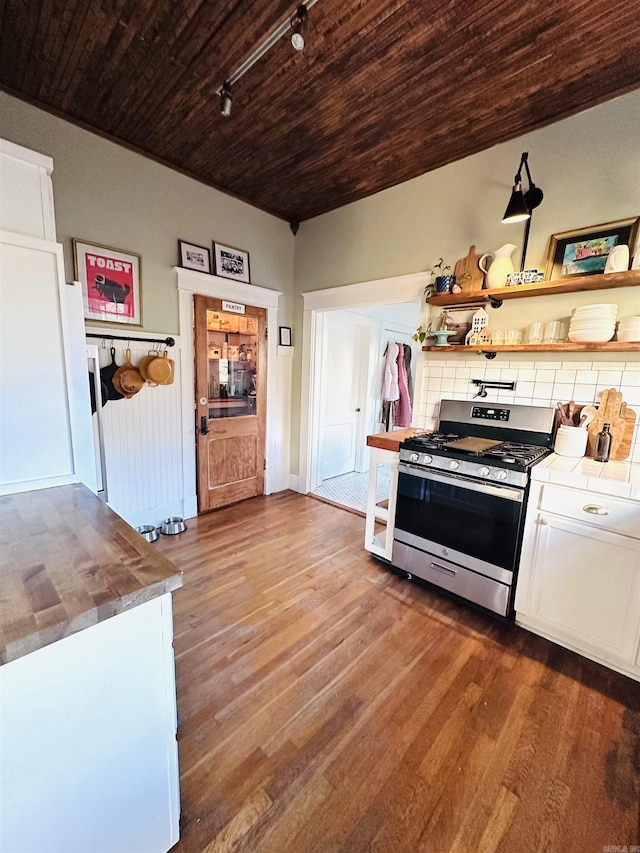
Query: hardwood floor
point(327, 705)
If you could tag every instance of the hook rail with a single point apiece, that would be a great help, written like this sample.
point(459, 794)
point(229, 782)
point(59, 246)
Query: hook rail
point(170, 342)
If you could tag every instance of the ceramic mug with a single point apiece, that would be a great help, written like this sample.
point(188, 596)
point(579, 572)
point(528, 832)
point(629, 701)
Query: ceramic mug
point(618, 259)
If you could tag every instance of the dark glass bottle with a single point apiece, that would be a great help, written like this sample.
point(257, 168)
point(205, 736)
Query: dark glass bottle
point(603, 444)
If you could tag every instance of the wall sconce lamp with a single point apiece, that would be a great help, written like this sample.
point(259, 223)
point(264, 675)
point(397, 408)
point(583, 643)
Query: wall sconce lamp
point(521, 205)
point(299, 26)
point(298, 22)
point(225, 100)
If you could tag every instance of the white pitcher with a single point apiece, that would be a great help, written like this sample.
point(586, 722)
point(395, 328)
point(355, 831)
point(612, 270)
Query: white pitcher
point(500, 267)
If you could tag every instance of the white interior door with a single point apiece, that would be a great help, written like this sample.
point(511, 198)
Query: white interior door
point(344, 350)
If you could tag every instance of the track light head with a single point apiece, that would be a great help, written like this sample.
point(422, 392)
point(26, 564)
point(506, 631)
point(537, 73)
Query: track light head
point(299, 24)
point(225, 100)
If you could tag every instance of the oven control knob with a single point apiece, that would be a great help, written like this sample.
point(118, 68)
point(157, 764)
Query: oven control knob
point(501, 474)
point(415, 457)
point(454, 465)
point(427, 460)
point(484, 471)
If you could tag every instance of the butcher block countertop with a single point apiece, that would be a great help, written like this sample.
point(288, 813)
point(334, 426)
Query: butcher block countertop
point(391, 440)
point(67, 561)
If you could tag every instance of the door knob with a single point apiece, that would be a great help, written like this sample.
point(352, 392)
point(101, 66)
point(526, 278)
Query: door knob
point(357, 410)
point(204, 426)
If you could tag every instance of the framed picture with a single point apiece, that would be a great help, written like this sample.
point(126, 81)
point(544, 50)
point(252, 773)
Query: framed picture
point(194, 257)
point(231, 263)
point(585, 251)
point(285, 336)
point(111, 283)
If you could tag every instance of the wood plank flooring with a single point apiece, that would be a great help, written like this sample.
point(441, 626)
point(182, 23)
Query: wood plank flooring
point(326, 705)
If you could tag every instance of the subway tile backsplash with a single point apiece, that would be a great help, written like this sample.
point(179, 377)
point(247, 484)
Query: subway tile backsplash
point(536, 385)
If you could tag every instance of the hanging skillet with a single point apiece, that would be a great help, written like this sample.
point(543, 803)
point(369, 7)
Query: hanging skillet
point(104, 392)
point(106, 375)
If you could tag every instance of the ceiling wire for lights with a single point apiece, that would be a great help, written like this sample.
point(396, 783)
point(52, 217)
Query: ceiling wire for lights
point(298, 22)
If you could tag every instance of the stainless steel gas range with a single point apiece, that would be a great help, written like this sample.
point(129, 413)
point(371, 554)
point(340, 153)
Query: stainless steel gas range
point(462, 498)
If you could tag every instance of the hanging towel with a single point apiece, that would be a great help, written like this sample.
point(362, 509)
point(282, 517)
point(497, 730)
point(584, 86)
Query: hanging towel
point(403, 409)
point(390, 389)
point(407, 364)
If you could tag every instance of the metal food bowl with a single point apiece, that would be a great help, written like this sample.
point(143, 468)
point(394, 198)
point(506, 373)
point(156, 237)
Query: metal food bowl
point(148, 532)
point(173, 525)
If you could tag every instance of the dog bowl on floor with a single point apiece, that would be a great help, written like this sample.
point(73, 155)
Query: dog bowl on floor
point(173, 525)
point(148, 532)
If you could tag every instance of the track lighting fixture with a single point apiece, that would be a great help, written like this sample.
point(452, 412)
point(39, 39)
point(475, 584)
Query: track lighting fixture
point(521, 205)
point(225, 100)
point(299, 25)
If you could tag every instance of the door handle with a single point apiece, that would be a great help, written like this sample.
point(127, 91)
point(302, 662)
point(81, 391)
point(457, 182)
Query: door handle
point(204, 425)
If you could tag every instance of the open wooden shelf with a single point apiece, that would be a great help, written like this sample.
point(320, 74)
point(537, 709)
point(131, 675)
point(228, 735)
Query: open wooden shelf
point(610, 346)
point(630, 278)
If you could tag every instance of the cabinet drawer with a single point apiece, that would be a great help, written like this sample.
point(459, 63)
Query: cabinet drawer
point(607, 513)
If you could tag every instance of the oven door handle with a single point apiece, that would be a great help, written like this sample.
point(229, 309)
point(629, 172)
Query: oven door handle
point(463, 483)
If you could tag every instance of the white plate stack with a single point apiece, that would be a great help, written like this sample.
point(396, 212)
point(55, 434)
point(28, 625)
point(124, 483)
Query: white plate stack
point(629, 329)
point(593, 324)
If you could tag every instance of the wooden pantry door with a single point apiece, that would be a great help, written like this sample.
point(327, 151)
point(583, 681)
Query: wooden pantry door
point(230, 405)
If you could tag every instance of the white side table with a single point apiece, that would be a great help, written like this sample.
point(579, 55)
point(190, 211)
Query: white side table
point(381, 544)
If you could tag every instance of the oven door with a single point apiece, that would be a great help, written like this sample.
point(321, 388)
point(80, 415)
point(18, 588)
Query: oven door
point(474, 524)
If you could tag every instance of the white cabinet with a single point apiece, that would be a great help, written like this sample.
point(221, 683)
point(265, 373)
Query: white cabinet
point(46, 436)
point(579, 578)
point(88, 740)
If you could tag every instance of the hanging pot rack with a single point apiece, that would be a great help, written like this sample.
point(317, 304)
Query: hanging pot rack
point(170, 342)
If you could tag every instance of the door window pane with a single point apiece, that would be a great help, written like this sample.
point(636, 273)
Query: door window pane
point(232, 353)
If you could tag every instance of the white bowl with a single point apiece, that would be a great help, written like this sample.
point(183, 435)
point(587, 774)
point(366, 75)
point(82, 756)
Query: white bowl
point(629, 337)
point(611, 306)
point(588, 330)
point(590, 337)
point(596, 315)
point(593, 327)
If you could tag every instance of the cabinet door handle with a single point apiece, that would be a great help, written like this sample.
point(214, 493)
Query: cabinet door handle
point(544, 521)
point(594, 509)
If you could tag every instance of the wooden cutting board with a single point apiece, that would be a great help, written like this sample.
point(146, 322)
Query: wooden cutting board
point(612, 410)
point(624, 448)
point(468, 274)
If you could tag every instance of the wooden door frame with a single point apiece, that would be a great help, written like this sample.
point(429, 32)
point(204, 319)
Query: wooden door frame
point(385, 291)
point(190, 283)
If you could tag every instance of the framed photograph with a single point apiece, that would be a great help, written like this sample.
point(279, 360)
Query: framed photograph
point(194, 257)
point(585, 251)
point(285, 336)
point(111, 283)
point(231, 263)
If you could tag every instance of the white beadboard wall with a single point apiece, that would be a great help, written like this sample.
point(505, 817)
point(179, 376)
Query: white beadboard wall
point(542, 383)
point(142, 445)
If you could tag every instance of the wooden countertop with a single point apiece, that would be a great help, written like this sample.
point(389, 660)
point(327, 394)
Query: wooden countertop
point(391, 440)
point(68, 561)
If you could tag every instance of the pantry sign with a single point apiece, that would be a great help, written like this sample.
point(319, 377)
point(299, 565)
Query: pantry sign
point(111, 286)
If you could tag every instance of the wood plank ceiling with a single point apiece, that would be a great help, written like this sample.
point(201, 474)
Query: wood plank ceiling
point(384, 90)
